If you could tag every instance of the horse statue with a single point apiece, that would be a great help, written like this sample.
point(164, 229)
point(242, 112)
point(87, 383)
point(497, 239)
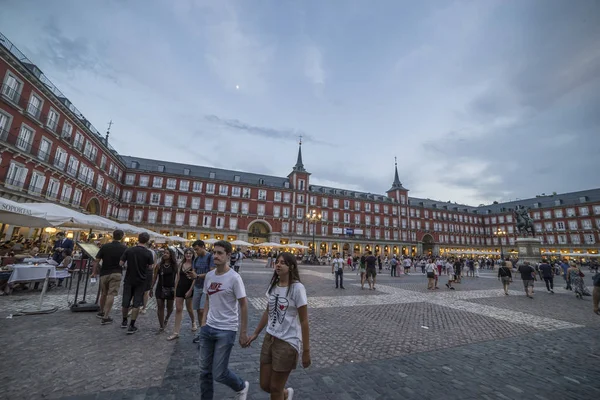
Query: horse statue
point(524, 221)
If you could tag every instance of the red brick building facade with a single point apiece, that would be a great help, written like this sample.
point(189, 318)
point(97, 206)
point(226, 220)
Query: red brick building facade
point(50, 152)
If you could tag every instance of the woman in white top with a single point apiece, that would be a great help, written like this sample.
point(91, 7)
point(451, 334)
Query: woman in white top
point(287, 330)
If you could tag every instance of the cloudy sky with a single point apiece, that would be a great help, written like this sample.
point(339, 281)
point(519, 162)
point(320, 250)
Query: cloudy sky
point(479, 100)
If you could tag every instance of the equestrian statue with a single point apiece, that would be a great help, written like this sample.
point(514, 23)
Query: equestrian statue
point(524, 221)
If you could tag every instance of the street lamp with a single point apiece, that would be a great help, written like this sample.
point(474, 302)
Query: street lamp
point(500, 233)
point(313, 217)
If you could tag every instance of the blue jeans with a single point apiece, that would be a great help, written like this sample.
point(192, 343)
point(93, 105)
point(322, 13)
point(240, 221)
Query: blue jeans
point(215, 348)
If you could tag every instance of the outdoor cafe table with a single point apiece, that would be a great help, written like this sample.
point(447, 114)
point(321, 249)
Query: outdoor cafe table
point(39, 260)
point(29, 272)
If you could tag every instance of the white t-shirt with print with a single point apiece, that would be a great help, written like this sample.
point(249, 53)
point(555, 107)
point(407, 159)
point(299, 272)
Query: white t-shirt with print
point(223, 293)
point(283, 320)
point(338, 263)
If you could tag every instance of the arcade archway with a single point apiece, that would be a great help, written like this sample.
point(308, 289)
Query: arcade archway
point(258, 232)
point(93, 206)
point(428, 244)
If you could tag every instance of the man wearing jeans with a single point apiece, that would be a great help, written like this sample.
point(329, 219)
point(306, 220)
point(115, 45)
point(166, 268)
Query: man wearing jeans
point(337, 268)
point(203, 263)
point(224, 290)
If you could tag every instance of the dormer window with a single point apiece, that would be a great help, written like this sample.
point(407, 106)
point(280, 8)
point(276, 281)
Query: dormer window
point(211, 175)
point(236, 178)
point(261, 181)
point(186, 171)
point(161, 168)
point(286, 185)
point(135, 164)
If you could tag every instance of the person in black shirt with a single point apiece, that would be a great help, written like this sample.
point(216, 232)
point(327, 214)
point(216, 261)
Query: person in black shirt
point(110, 274)
point(139, 259)
point(371, 261)
point(528, 276)
point(547, 273)
point(165, 272)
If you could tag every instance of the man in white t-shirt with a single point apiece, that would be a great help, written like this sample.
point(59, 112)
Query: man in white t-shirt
point(224, 290)
point(337, 268)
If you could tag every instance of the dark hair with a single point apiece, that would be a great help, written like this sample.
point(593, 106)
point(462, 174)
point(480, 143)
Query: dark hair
point(67, 252)
point(60, 234)
point(173, 260)
point(198, 243)
point(370, 252)
point(118, 234)
point(186, 250)
point(294, 276)
point(143, 238)
point(225, 245)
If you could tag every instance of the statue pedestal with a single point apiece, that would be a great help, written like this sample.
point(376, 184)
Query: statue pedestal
point(529, 250)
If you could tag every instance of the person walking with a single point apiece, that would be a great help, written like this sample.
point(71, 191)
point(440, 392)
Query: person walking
point(184, 288)
point(565, 269)
point(528, 276)
point(363, 270)
point(547, 274)
point(110, 274)
point(394, 265)
point(575, 277)
point(165, 272)
point(451, 276)
point(203, 263)
point(371, 262)
point(236, 260)
point(407, 264)
point(430, 270)
point(287, 337)
point(505, 276)
point(139, 260)
point(337, 268)
point(379, 262)
point(225, 303)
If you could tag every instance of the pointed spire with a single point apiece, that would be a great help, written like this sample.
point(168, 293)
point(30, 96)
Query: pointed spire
point(397, 184)
point(299, 165)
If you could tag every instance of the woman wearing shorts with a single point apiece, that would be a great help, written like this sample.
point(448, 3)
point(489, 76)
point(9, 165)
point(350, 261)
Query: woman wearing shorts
point(286, 319)
point(184, 287)
point(363, 272)
point(165, 272)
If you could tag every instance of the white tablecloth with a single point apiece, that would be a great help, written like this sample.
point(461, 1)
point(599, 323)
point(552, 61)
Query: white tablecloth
point(28, 272)
point(40, 261)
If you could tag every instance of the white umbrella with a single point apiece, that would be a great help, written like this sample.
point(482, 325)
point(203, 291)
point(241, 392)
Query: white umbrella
point(241, 243)
point(177, 239)
point(296, 246)
point(21, 214)
point(269, 244)
point(57, 214)
point(211, 241)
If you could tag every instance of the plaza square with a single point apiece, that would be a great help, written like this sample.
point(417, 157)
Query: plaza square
point(299, 200)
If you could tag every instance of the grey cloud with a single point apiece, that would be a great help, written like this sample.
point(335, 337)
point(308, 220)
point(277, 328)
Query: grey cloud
point(539, 115)
point(72, 54)
point(270, 133)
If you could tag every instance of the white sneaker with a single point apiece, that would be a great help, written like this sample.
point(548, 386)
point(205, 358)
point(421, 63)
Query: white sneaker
point(290, 393)
point(242, 394)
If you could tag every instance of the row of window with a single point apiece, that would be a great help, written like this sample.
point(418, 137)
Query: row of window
point(159, 182)
point(11, 89)
point(18, 173)
point(17, 176)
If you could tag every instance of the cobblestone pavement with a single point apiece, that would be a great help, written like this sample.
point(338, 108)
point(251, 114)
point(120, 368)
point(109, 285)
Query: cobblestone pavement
point(399, 341)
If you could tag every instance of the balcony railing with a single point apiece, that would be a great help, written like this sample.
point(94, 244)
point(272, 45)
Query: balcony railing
point(14, 182)
point(11, 94)
point(33, 111)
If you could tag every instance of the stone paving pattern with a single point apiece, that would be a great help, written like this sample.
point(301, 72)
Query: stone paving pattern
point(426, 349)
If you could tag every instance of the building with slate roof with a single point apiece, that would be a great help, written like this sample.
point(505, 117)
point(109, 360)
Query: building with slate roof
point(49, 152)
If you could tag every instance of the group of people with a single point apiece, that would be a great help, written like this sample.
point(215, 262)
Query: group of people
point(206, 283)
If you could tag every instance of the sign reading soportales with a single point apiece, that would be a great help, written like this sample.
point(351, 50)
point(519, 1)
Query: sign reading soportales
point(15, 209)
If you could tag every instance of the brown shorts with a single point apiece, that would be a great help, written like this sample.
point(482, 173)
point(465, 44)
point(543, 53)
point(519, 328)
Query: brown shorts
point(109, 284)
point(282, 356)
